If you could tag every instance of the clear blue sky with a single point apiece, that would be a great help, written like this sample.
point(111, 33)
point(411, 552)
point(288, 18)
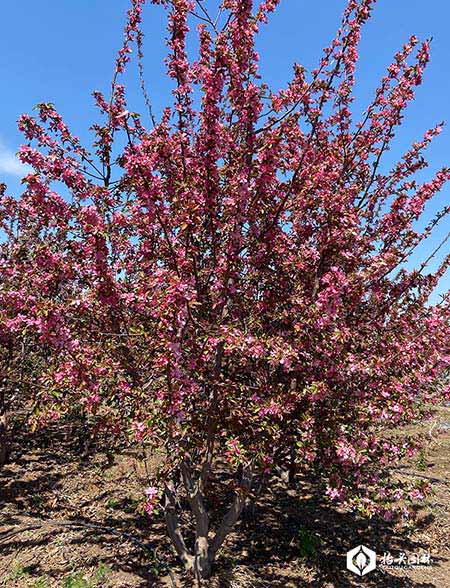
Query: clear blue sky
point(61, 50)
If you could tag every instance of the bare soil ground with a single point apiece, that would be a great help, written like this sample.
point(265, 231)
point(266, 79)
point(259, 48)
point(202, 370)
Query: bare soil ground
point(68, 521)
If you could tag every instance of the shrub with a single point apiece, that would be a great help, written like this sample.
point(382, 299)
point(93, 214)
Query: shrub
point(230, 285)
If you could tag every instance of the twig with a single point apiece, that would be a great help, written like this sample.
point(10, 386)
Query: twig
point(430, 478)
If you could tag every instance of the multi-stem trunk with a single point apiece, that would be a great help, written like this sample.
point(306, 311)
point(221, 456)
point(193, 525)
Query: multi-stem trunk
point(207, 544)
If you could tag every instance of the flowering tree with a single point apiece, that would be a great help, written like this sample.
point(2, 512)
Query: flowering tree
point(229, 284)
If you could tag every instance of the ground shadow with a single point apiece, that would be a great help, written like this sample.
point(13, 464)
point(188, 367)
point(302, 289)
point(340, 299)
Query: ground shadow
point(285, 527)
point(285, 524)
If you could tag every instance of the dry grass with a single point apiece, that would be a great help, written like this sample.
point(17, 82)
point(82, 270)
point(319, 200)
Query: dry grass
point(297, 539)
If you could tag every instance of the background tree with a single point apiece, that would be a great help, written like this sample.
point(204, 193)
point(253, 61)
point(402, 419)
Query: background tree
point(230, 285)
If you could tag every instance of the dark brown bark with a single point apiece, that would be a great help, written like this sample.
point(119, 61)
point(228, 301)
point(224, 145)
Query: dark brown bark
point(206, 547)
point(173, 528)
point(4, 441)
point(194, 489)
point(233, 514)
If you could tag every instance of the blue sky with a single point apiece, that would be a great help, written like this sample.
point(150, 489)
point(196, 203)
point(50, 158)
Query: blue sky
point(61, 50)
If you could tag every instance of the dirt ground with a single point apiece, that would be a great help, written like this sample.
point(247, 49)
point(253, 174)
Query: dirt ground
point(69, 520)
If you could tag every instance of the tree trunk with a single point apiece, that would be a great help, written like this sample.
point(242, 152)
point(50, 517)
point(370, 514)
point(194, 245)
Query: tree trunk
point(233, 514)
point(4, 442)
point(292, 471)
point(173, 528)
point(205, 548)
point(202, 564)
